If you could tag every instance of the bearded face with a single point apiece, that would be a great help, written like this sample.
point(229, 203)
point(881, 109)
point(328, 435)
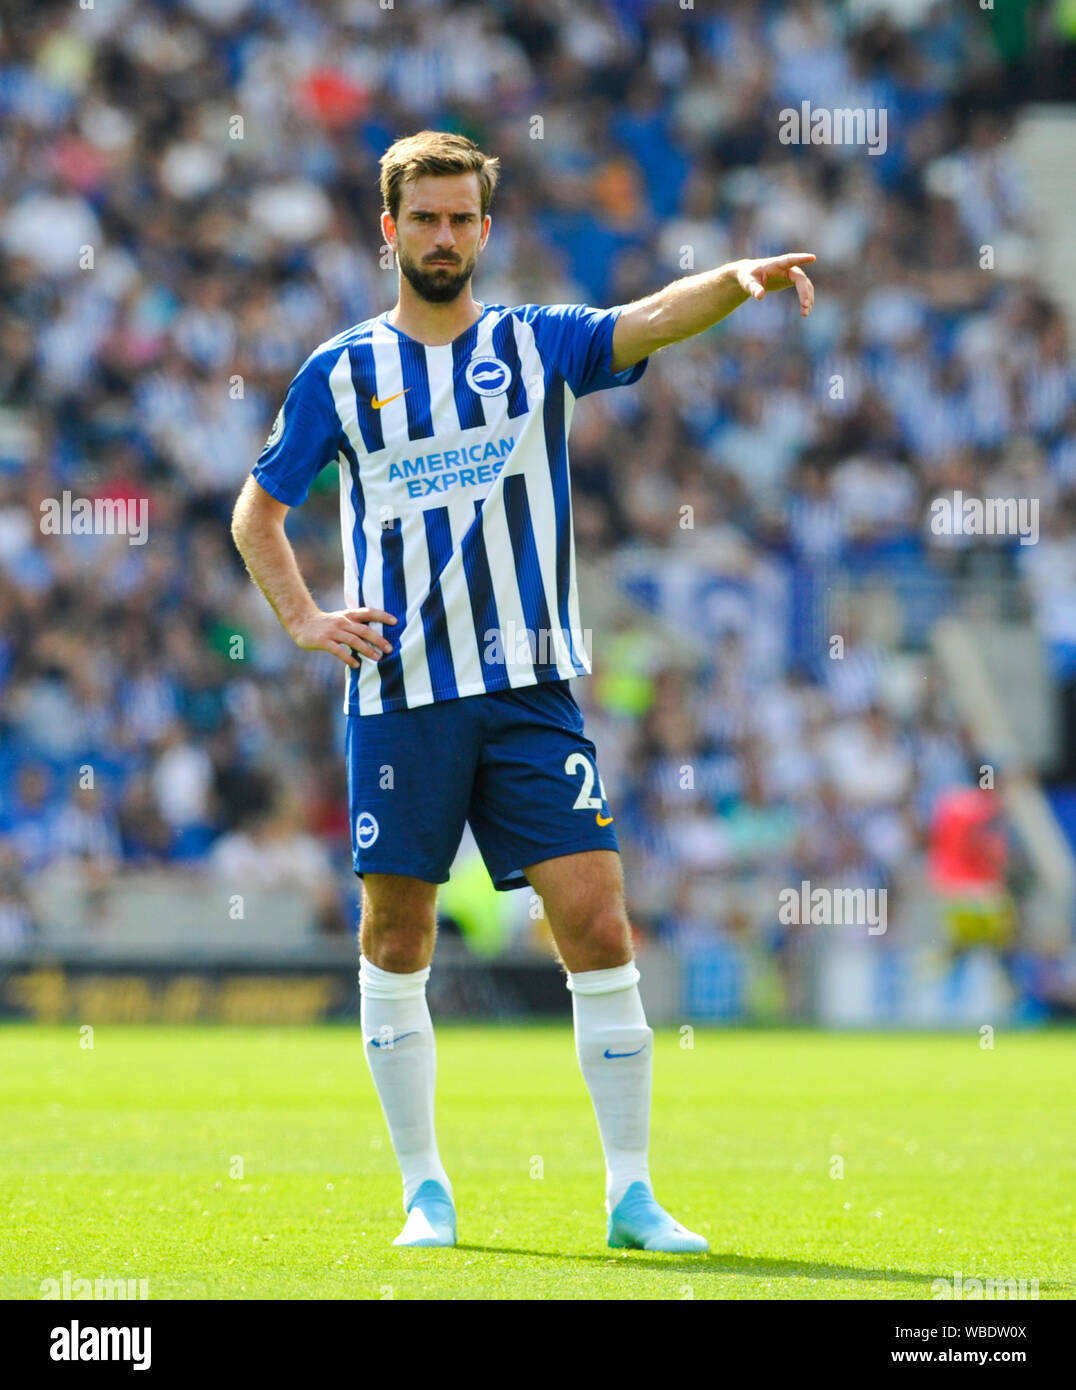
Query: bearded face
point(439, 277)
point(439, 233)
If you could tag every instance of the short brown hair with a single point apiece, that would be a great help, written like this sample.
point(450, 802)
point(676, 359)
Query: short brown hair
point(436, 152)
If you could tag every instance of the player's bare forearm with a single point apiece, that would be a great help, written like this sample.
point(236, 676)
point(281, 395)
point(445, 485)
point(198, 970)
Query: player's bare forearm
point(691, 305)
point(258, 532)
point(259, 535)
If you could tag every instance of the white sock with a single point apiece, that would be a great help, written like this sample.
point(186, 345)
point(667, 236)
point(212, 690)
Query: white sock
point(615, 1050)
point(398, 1035)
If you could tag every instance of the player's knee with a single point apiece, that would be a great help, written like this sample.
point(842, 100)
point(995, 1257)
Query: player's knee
point(608, 940)
point(399, 923)
point(397, 940)
point(401, 948)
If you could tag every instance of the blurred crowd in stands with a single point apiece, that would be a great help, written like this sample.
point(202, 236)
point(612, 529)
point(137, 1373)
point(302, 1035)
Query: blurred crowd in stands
point(189, 204)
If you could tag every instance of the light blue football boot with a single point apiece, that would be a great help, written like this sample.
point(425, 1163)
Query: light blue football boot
point(431, 1217)
point(638, 1223)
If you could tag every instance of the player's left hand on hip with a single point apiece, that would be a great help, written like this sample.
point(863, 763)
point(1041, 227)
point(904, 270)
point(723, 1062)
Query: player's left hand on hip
point(779, 273)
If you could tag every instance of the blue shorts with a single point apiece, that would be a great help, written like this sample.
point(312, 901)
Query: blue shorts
point(514, 764)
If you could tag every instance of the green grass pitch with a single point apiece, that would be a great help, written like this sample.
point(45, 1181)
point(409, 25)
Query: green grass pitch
point(231, 1163)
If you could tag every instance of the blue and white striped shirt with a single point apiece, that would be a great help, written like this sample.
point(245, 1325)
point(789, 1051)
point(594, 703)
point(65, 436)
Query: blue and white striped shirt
point(455, 502)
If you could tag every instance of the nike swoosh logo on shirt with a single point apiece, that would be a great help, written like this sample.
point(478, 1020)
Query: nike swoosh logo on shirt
point(612, 1055)
point(603, 820)
point(378, 404)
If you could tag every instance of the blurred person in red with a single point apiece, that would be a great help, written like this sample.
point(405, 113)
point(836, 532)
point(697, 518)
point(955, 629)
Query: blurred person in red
point(968, 860)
